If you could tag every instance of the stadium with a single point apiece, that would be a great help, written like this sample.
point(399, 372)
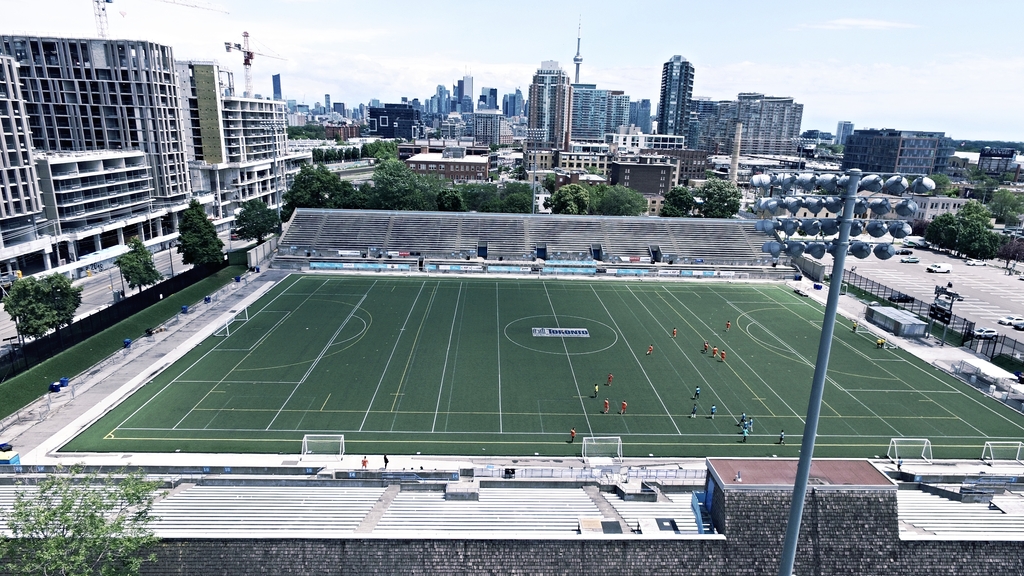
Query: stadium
point(393, 392)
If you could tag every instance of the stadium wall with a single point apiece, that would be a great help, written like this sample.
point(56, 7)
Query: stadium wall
point(852, 532)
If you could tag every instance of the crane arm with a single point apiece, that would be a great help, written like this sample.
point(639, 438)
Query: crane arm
point(194, 5)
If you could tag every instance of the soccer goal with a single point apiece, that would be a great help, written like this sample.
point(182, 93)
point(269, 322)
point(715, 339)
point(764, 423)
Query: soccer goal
point(1002, 451)
point(323, 446)
point(225, 330)
point(910, 449)
point(598, 448)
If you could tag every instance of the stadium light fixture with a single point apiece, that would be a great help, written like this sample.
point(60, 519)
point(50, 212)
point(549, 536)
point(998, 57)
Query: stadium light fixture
point(846, 206)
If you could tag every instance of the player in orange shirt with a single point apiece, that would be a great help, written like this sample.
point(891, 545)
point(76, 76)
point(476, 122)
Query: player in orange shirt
point(728, 324)
point(650, 349)
point(673, 332)
point(714, 352)
point(623, 410)
point(605, 406)
point(609, 382)
point(723, 355)
point(572, 435)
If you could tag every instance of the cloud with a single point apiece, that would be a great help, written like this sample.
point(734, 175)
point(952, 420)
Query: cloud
point(859, 24)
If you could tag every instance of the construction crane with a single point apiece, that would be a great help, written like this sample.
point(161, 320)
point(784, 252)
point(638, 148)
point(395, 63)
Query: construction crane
point(99, 10)
point(247, 56)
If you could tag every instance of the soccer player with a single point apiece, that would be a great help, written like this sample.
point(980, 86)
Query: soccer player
point(623, 410)
point(714, 352)
point(696, 394)
point(728, 324)
point(605, 405)
point(782, 437)
point(609, 382)
point(673, 332)
point(722, 355)
point(693, 413)
point(365, 462)
point(596, 388)
point(650, 349)
point(750, 424)
point(745, 433)
point(713, 410)
point(572, 435)
point(705, 347)
point(854, 326)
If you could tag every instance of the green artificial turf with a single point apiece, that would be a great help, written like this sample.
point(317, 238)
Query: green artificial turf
point(452, 366)
point(24, 388)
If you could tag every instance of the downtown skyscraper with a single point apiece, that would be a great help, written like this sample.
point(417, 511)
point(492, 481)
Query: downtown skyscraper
point(549, 107)
point(676, 91)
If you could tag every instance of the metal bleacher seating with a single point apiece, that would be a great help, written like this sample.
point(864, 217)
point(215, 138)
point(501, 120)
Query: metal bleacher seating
point(511, 236)
point(929, 515)
point(498, 509)
point(633, 510)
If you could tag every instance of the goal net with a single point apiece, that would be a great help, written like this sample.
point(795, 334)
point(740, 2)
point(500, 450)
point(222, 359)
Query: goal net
point(323, 446)
point(910, 449)
point(598, 448)
point(1005, 451)
point(225, 330)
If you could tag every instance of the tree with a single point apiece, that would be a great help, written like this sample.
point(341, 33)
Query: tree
point(721, 198)
point(517, 203)
point(975, 211)
point(550, 183)
point(39, 306)
point(397, 187)
point(137, 265)
point(450, 200)
point(618, 201)
point(307, 132)
point(678, 203)
point(1012, 251)
point(198, 243)
point(569, 199)
point(943, 185)
point(312, 188)
point(942, 231)
point(381, 150)
point(80, 524)
point(346, 195)
point(256, 221)
point(974, 240)
point(1007, 206)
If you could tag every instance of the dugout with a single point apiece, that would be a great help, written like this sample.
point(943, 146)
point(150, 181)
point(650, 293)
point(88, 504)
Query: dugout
point(899, 322)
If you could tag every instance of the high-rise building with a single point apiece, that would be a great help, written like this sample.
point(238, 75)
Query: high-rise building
point(640, 115)
point(512, 104)
point(549, 107)
point(488, 99)
point(491, 127)
point(771, 124)
point(676, 91)
point(238, 144)
point(905, 152)
point(597, 112)
point(276, 78)
point(20, 206)
point(443, 101)
point(462, 96)
point(339, 108)
point(327, 103)
point(395, 121)
point(90, 94)
point(843, 131)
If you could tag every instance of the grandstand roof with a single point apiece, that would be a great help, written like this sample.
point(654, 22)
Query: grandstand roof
point(739, 473)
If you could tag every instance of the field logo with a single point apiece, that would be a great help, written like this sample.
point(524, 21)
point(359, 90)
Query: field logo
point(561, 333)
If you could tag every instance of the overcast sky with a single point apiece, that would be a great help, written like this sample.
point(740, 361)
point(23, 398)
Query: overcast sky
point(914, 65)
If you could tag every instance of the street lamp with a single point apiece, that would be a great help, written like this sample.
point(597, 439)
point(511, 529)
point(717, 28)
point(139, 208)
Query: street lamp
point(845, 206)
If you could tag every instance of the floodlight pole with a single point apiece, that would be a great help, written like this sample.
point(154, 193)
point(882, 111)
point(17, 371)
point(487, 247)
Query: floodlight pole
point(828, 325)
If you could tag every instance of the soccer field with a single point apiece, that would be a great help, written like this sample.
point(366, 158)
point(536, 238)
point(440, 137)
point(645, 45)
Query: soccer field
point(458, 366)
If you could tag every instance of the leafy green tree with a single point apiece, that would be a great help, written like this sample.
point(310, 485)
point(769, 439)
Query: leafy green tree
point(450, 200)
point(80, 524)
point(197, 237)
point(517, 203)
point(312, 188)
point(1012, 251)
point(942, 231)
point(679, 203)
point(39, 306)
point(1008, 177)
point(721, 198)
point(348, 196)
point(396, 187)
point(1006, 206)
point(617, 201)
point(480, 197)
point(256, 221)
point(975, 211)
point(307, 132)
point(550, 183)
point(569, 199)
point(943, 185)
point(381, 150)
point(137, 265)
point(974, 240)
point(519, 173)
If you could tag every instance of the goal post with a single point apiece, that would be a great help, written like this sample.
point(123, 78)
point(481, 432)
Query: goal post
point(602, 447)
point(910, 449)
point(1002, 451)
point(324, 446)
point(225, 330)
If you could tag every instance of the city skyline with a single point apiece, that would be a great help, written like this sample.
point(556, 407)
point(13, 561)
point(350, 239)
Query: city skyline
point(911, 66)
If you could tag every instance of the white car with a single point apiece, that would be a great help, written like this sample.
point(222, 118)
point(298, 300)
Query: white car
point(985, 333)
point(1010, 320)
point(975, 263)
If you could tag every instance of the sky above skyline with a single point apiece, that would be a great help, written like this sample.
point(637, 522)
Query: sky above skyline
point(913, 65)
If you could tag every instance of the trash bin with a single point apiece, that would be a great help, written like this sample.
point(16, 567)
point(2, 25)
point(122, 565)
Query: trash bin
point(817, 286)
point(257, 269)
point(184, 309)
point(54, 386)
point(238, 278)
point(797, 277)
point(207, 299)
point(127, 342)
point(64, 382)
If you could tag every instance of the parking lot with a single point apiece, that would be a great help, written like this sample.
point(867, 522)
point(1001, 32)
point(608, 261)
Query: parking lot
point(989, 292)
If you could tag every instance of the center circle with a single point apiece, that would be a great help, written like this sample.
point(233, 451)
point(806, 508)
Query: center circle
point(520, 333)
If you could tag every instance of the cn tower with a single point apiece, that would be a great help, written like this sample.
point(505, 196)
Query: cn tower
point(578, 59)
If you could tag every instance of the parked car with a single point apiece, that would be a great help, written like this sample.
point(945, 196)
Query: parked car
point(900, 297)
point(904, 252)
point(939, 268)
point(1010, 320)
point(1018, 325)
point(975, 262)
point(985, 333)
point(910, 260)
